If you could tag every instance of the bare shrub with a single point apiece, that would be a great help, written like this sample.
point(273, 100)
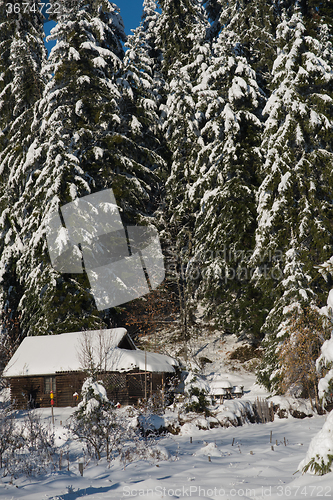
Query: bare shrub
point(25, 448)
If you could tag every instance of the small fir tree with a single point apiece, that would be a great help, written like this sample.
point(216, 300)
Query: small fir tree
point(94, 422)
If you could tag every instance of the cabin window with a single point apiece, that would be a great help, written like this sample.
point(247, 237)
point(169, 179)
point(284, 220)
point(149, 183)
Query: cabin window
point(49, 384)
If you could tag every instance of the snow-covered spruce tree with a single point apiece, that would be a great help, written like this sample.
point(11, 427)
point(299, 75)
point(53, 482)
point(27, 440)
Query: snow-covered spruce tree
point(224, 160)
point(295, 207)
point(325, 369)
point(83, 143)
point(143, 85)
point(182, 23)
point(73, 129)
point(253, 23)
point(142, 91)
point(179, 29)
point(213, 9)
point(319, 457)
point(299, 352)
point(225, 185)
point(295, 296)
point(21, 84)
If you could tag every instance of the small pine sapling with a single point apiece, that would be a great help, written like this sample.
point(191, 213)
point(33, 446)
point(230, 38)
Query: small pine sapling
point(94, 422)
point(198, 401)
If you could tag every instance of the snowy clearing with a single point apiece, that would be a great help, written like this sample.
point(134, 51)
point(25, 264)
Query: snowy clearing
point(237, 462)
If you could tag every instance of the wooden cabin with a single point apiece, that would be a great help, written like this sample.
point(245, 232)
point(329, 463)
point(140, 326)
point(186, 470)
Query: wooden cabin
point(58, 363)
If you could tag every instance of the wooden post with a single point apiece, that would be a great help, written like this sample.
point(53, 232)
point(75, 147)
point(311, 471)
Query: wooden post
point(145, 375)
point(163, 390)
point(270, 439)
point(52, 403)
point(271, 412)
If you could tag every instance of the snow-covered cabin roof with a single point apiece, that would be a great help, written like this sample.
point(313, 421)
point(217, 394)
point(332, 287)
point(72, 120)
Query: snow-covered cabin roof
point(51, 354)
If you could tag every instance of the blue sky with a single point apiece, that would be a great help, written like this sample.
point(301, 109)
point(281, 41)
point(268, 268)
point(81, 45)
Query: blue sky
point(131, 11)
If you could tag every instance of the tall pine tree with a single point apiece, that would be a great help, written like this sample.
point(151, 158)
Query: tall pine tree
point(182, 24)
point(21, 84)
point(226, 182)
point(295, 198)
point(83, 144)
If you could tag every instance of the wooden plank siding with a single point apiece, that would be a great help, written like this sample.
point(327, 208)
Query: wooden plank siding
point(68, 384)
point(25, 389)
point(121, 387)
point(22, 387)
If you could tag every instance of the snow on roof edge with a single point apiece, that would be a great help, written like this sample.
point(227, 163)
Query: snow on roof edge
point(53, 354)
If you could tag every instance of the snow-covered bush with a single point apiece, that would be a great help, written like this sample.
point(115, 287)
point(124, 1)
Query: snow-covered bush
point(143, 449)
point(196, 390)
point(324, 363)
point(194, 380)
point(140, 436)
point(298, 353)
point(105, 429)
point(95, 422)
point(197, 401)
point(7, 434)
point(325, 367)
point(36, 446)
point(27, 448)
point(319, 457)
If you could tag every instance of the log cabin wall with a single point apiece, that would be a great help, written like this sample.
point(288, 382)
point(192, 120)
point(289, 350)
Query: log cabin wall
point(67, 385)
point(27, 392)
point(125, 388)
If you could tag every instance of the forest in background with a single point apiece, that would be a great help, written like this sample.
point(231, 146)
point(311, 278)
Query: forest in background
point(215, 126)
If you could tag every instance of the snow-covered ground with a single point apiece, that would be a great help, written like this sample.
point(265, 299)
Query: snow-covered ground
point(254, 461)
point(236, 462)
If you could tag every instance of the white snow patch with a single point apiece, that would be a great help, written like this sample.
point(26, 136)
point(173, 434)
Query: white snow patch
point(73, 54)
point(321, 447)
point(83, 79)
point(79, 107)
point(99, 62)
